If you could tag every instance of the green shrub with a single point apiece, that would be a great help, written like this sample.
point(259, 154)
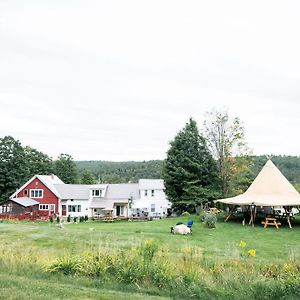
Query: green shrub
point(210, 220)
point(57, 220)
point(86, 218)
point(69, 218)
point(68, 265)
point(75, 219)
point(147, 250)
point(202, 215)
point(51, 219)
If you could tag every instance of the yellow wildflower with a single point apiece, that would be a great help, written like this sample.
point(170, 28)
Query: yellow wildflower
point(252, 252)
point(243, 244)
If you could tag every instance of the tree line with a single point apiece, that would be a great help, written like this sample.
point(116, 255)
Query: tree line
point(201, 165)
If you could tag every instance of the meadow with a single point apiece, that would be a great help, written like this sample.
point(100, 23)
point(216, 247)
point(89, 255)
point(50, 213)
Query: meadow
point(142, 260)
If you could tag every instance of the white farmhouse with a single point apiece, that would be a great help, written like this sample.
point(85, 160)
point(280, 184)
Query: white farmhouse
point(152, 201)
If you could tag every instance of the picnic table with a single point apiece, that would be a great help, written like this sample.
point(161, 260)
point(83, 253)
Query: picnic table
point(271, 221)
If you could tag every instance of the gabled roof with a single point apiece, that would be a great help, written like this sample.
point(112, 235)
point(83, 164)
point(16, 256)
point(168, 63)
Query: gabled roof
point(47, 180)
point(151, 184)
point(122, 191)
point(270, 188)
point(73, 191)
point(25, 201)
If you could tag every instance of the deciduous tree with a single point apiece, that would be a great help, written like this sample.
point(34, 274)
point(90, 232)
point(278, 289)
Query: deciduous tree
point(226, 139)
point(87, 177)
point(65, 168)
point(13, 168)
point(37, 162)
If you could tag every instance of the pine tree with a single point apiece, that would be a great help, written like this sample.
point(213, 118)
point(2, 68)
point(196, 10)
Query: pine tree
point(189, 170)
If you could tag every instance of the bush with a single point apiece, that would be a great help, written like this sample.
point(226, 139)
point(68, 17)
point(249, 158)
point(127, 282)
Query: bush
point(57, 220)
point(86, 218)
point(51, 219)
point(75, 219)
point(210, 220)
point(203, 215)
point(69, 218)
point(68, 265)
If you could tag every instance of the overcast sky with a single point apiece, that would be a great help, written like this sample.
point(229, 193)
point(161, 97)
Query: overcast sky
point(115, 80)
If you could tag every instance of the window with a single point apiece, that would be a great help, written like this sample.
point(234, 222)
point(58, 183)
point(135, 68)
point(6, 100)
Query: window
point(146, 193)
point(74, 208)
point(52, 207)
point(6, 208)
point(152, 207)
point(44, 207)
point(152, 193)
point(36, 193)
point(25, 193)
point(97, 193)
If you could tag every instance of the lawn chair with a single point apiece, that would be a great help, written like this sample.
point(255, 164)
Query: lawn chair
point(190, 224)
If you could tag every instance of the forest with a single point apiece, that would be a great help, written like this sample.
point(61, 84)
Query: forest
point(131, 171)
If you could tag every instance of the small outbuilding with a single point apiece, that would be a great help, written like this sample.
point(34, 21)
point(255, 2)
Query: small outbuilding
point(21, 208)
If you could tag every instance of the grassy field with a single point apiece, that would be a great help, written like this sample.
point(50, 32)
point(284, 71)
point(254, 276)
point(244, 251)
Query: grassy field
point(212, 262)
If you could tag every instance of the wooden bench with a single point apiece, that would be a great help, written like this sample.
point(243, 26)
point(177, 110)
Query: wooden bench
point(272, 222)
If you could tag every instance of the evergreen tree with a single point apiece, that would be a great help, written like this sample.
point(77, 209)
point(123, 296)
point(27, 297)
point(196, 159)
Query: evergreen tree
point(65, 168)
point(87, 177)
point(13, 170)
point(189, 170)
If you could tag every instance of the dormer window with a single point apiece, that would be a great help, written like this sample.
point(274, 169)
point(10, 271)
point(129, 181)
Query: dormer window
point(25, 193)
point(97, 193)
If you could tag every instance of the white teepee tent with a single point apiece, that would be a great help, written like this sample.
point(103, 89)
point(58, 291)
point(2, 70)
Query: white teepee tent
point(270, 188)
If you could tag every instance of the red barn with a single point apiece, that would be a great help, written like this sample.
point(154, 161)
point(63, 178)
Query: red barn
point(41, 188)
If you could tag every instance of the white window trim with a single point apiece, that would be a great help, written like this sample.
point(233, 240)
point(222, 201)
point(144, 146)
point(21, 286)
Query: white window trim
point(76, 208)
point(53, 208)
point(33, 190)
point(100, 191)
point(41, 204)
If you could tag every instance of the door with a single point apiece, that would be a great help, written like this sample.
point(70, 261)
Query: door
point(64, 210)
point(120, 211)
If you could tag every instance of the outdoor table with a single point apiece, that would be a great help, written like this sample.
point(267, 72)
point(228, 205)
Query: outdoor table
point(271, 221)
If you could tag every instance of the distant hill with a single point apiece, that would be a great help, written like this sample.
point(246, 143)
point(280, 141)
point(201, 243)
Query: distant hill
point(120, 172)
point(288, 165)
point(132, 171)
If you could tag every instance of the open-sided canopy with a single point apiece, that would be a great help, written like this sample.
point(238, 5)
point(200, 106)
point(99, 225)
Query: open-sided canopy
point(270, 188)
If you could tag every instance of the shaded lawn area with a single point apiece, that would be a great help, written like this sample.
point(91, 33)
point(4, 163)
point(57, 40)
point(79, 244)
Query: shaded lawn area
point(220, 243)
point(14, 286)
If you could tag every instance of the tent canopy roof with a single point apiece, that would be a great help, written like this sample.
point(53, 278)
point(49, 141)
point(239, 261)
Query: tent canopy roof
point(269, 188)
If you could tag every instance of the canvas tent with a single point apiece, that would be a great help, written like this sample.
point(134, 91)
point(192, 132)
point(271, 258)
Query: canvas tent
point(270, 188)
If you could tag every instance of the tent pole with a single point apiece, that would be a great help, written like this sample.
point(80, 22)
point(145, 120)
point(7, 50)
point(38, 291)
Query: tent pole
point(287, 213)
point(251, 217)
point(254, 216)
point(230, 213)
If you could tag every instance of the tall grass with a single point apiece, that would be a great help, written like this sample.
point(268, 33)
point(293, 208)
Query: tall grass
point(188, 275)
